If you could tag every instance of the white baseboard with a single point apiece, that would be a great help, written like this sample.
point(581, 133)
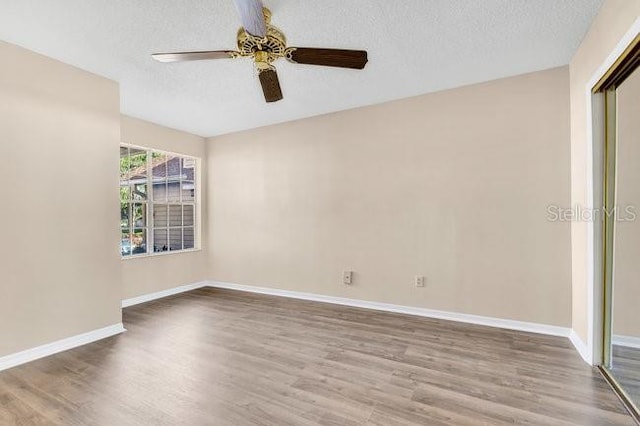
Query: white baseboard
point(627, 341)
point(423, 312)
point(28, 355)
point(160, 294)
point(38, 352)
point(581, 347)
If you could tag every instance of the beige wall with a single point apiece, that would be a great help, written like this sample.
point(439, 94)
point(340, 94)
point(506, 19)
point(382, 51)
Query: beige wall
point(453, 186)
point(626, 288)
point(146, 275)
point(613, 21)
point(59, 256)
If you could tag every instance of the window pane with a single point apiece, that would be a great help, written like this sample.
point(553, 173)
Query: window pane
point(188, 169)
point(139, 215)
point(133, 173)
point(139, 241)
point(175, 215)
point(173, 178)
point(137, 165)
point(187, 187)
point(125, 192)
point(188, 212)
point(160, 242)
point(188, 191)
point(139, 190)
point(160, 215)
point(173, 191)
point(125, 243)
point(173, 168)
point(189, 238)
point(160, 192)
point(135, 151)
point(158, 166)
point(159, 172)
point(124, 162)
point(125, 215)
point(175, 239)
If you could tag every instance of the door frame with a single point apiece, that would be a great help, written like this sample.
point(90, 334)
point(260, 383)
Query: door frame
point(595, 160)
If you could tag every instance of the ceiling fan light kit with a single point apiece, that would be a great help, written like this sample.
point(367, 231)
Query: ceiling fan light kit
point(265, 43)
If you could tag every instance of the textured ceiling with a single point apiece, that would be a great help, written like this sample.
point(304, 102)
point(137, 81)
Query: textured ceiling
point(415, 47)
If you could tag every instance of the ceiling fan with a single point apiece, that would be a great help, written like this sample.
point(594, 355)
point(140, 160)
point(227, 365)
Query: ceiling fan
point(264, 43)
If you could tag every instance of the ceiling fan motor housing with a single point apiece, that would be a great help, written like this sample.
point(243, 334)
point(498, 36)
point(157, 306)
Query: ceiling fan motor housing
point(274, 44)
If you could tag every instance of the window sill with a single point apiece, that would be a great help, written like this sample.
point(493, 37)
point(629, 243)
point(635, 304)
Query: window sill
point(159, 254)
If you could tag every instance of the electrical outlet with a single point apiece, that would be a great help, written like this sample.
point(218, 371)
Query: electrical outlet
point(419, 281)
point(347, 277)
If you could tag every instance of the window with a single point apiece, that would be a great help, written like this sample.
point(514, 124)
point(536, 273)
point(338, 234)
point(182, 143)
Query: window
point(157, 202)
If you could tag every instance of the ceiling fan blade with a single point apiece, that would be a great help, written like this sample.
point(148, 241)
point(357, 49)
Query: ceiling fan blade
point(194, 56)
point(252, 17)
point(355, 59)
point(270, 85)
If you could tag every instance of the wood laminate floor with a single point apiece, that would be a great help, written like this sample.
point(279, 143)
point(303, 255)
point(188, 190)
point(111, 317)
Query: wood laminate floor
point(219, 357)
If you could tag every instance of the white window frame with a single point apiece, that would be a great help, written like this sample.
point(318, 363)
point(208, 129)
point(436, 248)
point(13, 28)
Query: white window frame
point(149, 206)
